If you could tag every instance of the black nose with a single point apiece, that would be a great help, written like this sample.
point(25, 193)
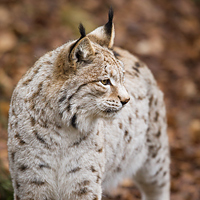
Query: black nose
point(125, 101)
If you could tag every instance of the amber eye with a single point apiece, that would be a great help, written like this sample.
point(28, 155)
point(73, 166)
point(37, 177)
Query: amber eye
point(106, 82)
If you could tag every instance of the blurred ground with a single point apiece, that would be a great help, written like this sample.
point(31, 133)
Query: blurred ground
point(163, 33)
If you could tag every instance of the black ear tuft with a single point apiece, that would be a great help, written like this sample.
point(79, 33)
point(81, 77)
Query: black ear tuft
point(108, 25)
point(82, 30)
point(110, 15)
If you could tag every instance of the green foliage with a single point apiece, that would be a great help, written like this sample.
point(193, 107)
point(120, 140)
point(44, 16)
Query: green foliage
point(71, 16)
point(197, 1)
point(6, 189)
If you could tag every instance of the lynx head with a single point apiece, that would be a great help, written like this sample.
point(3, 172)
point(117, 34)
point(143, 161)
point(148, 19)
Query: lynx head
point(93, 77)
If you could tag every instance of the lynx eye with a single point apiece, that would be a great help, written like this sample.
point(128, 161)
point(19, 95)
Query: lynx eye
point(105, 82)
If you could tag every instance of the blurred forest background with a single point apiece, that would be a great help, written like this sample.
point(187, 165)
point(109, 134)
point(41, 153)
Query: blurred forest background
point(163, 33)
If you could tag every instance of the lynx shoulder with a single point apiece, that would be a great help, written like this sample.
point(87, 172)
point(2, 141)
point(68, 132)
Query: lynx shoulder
point(85, 116)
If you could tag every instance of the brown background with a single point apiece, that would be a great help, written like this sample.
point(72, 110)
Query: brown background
point(165, 34)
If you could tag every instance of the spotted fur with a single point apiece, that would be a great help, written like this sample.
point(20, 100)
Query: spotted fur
point(85, 116)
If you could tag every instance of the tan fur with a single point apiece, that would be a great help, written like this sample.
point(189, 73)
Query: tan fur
point(98, 36)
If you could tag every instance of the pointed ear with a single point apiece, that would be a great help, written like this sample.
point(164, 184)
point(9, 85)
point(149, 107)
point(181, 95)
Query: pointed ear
point(82, 50)
point(79, 51)
point(104, 35)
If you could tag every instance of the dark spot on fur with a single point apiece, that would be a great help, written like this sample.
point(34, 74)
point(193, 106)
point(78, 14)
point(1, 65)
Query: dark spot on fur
point(119, 169)
point(26, 82)
point(61, 114)
point(136, 113)
point(164, 173)
point(36, 70)
point(86, 182)
point(58, 126)
point(130, 73)
point(150, 101)
point(48, 62)
point(62, 99)
point(79, 141)
point(137, 64)
point(32, 121)
point(154, 155)
point(125, 133)
point(17, 184)
point(23, 167)
point(40, 139)
point(35, 94)
point(136, 75)
point(13, 156)
point(32, 106)
point(120, 125)
point(158, 133)
point(75, 170)
point(159, 171)
point(44, 165)
point(156, 116)
point(83, 191)
point(44, 124)
point(17, 135)
point(17, 197)
point(21, 142)
point(98, 179)
point(149, 141)
point(145, 120)
point(136, 69)
point(73, 121)
point(68, 107)
point(70, 97)
point(16, 124)
point(38, 182)
point(129, 140)
point(130, 120)
point(140, 98)
point(100, 150)
point(158, 160)
point(97, 132)
point(93, 169)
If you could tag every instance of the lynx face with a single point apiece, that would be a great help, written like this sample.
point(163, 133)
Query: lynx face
point(110, 90)
point(94, 85)
point(100, 87)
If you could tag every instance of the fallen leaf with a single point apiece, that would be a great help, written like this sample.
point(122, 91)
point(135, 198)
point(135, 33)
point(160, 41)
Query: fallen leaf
point(7, 41)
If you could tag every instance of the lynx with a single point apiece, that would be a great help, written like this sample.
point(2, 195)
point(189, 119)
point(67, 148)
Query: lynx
point(84, 117)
